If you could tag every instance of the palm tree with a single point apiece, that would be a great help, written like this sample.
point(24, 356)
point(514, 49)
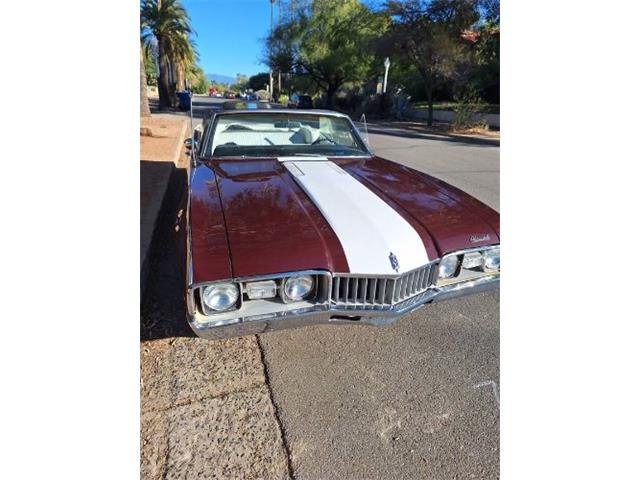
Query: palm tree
point(183, 55)
point(144, 100)
point(168, 22)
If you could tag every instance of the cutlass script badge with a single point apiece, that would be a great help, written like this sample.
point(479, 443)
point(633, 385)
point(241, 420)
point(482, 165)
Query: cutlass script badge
point(479, 238)
point(394, 261)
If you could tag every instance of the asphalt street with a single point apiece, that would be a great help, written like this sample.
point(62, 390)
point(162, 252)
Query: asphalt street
point(415, 400)
point(472, 167)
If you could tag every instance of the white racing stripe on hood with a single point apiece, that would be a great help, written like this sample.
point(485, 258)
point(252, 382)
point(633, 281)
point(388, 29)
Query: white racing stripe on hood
point(367, 227)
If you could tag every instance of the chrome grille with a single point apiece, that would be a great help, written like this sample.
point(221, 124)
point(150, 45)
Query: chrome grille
point(362, 292)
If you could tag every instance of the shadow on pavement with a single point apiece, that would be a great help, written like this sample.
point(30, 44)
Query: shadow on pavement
point(153, 176)
point(162, 310)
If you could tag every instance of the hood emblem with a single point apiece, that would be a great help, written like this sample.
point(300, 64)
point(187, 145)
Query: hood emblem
point(479, 238)
point(394, 262)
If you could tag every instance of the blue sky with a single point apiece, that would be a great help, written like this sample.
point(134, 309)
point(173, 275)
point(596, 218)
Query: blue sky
point(229, 34)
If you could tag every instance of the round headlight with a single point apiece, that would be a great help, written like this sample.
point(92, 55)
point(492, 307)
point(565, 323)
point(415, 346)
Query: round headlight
point(296, 288)
point(220, 297)
point(492, 260)
point(448, 266)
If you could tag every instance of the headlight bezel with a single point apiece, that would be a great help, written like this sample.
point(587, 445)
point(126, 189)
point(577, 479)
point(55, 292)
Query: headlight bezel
point(319, 296)
point(207, 309)
point(445, 261)
point(286, 298)
point(484, 260)
point(467, 274)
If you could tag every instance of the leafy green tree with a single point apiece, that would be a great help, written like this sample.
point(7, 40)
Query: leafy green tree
point(258, 81)
point(490, 10)
point(330, 41)
point(220, 87)
point(242, 81)
point(166, 22)
point(198, 80)
point(429, 34)
point(486, 52)
point(150, 68)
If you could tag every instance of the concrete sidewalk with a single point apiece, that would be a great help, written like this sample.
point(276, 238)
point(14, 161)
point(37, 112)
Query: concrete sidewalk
point(206, 412)
point(160, 154)
point(206, 406)
point(166, 139)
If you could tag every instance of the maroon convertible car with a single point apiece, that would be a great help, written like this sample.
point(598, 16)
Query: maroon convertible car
point(292, 221)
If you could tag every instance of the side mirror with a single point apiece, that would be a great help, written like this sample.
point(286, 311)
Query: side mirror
point(197, 132)
point(190, 143)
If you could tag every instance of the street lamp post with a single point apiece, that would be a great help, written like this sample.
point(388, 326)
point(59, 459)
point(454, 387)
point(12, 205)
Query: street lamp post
point(270, 51)
point(387, 64)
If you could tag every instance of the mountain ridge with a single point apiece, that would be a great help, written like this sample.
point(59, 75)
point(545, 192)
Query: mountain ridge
point(218, 78)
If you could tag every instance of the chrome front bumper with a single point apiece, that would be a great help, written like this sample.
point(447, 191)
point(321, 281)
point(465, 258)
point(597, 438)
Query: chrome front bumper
point(324, 314)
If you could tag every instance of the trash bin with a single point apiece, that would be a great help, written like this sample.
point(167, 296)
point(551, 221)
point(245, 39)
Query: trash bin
point(184, 98)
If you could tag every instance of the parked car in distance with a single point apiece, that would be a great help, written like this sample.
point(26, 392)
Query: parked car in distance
point(229, 94)
point(300, 101)
point(305, 101)
point(245, 105)
point(292, 221)
point(293, 101)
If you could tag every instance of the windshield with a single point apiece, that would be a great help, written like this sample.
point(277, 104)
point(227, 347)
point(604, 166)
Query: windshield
point(282, 134)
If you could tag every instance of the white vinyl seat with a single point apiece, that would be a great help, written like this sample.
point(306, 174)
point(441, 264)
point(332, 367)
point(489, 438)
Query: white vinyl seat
point(302, 136)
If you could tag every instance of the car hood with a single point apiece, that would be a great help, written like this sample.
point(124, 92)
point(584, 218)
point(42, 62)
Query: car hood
point(271, 225)
point(372, 217)
point(453, 219)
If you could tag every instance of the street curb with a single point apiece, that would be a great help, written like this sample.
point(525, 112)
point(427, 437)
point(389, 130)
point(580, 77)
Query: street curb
point(472, 139)
point(181, 137)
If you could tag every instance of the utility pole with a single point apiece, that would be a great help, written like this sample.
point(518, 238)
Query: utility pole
point(279, 24)
point(270, 53)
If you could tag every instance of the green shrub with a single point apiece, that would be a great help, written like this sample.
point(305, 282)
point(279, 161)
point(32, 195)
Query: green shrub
point(201, 86)
point(468, 103)
point(263, 95)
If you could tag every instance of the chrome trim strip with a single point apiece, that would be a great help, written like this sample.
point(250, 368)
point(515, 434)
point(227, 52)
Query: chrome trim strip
point(326, 315)
point(375, 313)
point(470, 250)
point(462, 252)
point(191, 302)
point(267, 111)
point(369, 291)
point(212, 313)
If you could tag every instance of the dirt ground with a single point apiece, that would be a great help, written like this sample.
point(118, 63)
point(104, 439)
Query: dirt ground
point(165, 142)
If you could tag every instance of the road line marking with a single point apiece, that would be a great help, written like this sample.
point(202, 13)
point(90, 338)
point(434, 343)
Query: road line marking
point(494, 385)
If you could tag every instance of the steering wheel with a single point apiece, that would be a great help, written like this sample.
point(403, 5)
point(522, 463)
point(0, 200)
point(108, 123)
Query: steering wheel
point(324, 138)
